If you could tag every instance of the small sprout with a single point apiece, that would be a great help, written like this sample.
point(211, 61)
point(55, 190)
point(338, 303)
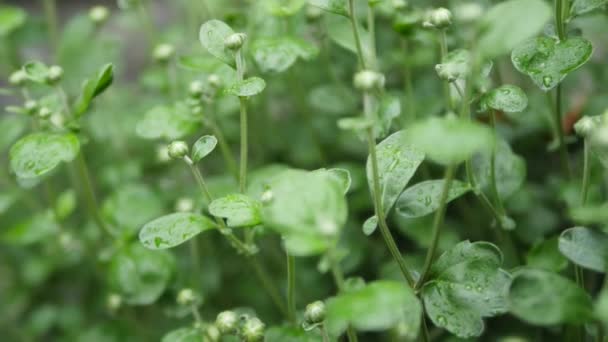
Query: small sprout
point(31, 106)
point(186, 297)
point(235, 41)
point(253, 330)
point(439, 18)
point(214, 81)
point(113, 302)
point(18, 78)
point(195, 89)
point(315, 312)
point(584, 126)
point(399, 4)
point(99, 14)
point(313, 13)
point(184, 204)
point(368, 80)
point(227, 322)
point(163, 52)
point(178, 149)
point(55, 74)
point(44, 113)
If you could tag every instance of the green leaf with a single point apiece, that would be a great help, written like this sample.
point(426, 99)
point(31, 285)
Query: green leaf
point(91, 88)
point(277, 54)
point(466, 285)
point(65, 204)
point(545, 255)
point(169, 123)
point(584, 6)
point(342, 176)
point(212, 35)
point(11, 18)
point(388, 109)
point(334, 6)
point(173, 230)
point(509, 23)
point(397, 163)
point(370, 225)
point(507, 98)
point(186, 334)
point(449, 140)
point(455, 66)
point(510, 170)
point(35, 229)
point(140, 275)
point(340, 31)
point(307, 208)
point(202, 147)
point(239, 210)
point(545, 298)
point(37, 154)
point(284, 8)
point(356, 123)
point(36, 72)
point(548, 61)
point(130, 207)
point(423, 198)
point(585, 247)
point(377, 306)
point(249, 87)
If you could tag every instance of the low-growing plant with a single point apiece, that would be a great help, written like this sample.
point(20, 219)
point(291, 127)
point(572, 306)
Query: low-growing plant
point(472, 135)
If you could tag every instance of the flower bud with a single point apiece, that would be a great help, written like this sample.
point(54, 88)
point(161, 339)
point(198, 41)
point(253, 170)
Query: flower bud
point(184, 205)
point(196, 89)
point(44, 113)
point(214, 80)
point(186, 297)
point(17, 78)
point(163, 52)
point(253, 330)
point(367, 80)
point(178, 149)
point(227, 322)
point(315, 312)
point(235, 41)
point(313, 13)
point(114, 301)
point(55, 74)
point(99, 14)
point(439, 18)
point(31, 106)
point(585, 126)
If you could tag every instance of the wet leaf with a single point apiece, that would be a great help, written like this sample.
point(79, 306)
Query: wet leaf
point(397, 163)
point(466, 285)
point(212, 35)
point(585, 6)
point(202, 147)
point(277, 54)
point(173, 230)
point(166, 122)
point(423, 198)
point(548, 61)
point(334, 6)
point(510, 170)
point(93, 87)
point(239, 210)
point(249, 87)
point(130, 207)
point(377, 306)
point(507, 98)
point(585, 247)
point(455, 66)
point(545, 255)
point(37, 154)
point(545, 298)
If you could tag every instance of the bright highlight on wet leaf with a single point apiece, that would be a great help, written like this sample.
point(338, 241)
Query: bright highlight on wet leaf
point(423, 198)
point(507, 98)
point(173, 230)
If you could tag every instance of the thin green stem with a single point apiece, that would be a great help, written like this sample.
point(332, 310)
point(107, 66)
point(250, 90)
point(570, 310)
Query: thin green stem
point(437, 224)
point(50, 12)
point(241, 69)
point(426, 337)
point(559, 18)
point(353, 21)
point(443, 48)
point(196, 314)
point(268, 284)
point(409, 88)
point(195, 257)
point(291, 287)
point(371, 27)
point(225, 149)
point(378, 207)
point(557, 117)
point(89, 193)
point(586, 173)
point(338, 276)
point(493, 185)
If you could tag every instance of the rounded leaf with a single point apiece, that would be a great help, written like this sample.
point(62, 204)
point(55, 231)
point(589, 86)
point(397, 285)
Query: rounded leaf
point(507, 98)
point(585, 247)
point(249, 87)
point(131, 206)
point(37, 154)
point(212, 35)
point(174, 229)
point(202, 147)
point(424, 197)
point(170, 123)
point(239, 210)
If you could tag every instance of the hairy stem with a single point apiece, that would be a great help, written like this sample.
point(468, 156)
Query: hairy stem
point(437, 223)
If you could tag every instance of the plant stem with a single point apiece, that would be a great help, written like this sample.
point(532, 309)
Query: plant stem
point(559, 18)
point(353, 21)
point(50, 12)
point(409, 88)
point(437, 223)
point(378, 208)
point(494, 187)
point(240, 68)
point(557, 117)
point(586, 173)
point(195, 256)
point(225, 149)
point(371, 27)
point(324, 333)
point(291, 287)
point(89, 193)
point(443, 48)
point(268, 284)
point(338, 276)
